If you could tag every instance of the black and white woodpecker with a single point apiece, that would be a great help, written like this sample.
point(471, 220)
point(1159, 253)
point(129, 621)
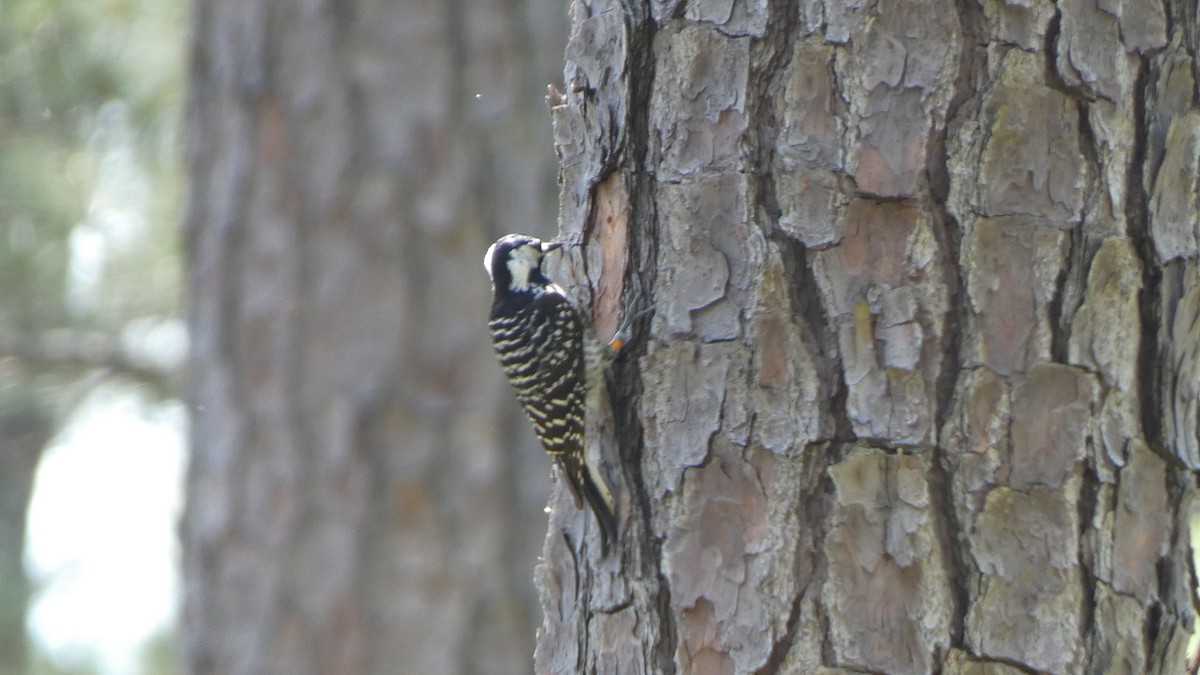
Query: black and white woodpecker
point(554, 361)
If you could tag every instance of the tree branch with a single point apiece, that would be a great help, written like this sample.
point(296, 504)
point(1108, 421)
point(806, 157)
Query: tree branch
point(87, 351)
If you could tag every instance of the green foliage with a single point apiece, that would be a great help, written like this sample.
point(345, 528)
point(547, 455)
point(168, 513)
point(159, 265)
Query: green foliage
point(90, 188)
point(89, 182)
point(161, 657)
point(44, 665)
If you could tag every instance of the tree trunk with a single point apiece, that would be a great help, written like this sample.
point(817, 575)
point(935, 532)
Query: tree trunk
point(25, 429)
point(364, 495)
point(919, 394)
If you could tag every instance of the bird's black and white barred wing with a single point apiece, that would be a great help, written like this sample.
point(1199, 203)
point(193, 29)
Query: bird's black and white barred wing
point(542, 350)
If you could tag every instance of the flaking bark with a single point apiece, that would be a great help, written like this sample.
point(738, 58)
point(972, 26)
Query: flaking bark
point(919, 393)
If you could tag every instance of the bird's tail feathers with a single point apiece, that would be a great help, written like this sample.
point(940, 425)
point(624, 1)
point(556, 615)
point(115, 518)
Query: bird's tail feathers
point(585, 479)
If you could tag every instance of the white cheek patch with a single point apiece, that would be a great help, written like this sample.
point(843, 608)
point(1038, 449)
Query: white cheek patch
point(487, 260)
point(519, 266)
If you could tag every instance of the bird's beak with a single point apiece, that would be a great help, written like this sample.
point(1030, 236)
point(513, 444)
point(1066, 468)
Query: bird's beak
point(548, 246)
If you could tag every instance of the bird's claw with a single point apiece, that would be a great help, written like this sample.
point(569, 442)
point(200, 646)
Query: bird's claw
point(625, 332)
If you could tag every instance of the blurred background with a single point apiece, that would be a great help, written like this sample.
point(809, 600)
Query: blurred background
point(94, 343)
point(91, 339)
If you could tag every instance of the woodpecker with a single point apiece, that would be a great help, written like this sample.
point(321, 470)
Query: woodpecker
point(554, 361)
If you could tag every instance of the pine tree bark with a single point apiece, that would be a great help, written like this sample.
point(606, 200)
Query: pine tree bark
point(364, 495)
point(919, 394)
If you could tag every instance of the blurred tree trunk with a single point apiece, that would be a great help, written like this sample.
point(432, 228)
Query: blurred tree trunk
point(920, 392)
point(364, 495)
point(25, 429)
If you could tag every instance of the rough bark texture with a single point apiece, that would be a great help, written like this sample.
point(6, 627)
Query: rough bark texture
point(920, 392)
point(364, 495)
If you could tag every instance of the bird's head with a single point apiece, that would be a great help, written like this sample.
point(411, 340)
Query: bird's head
point(514, 262)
